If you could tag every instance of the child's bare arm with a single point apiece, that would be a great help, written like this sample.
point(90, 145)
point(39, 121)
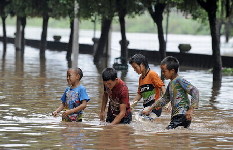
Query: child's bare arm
point(103, 106)
point(79, 108)
point(60, 108)
point(136, 100)
point(120, 115)
point(163, 90)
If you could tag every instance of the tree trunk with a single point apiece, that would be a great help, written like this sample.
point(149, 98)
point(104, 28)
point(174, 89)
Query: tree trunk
point(123, 42)
point(122, 11)
point(162, 42)
point(157, 16)
point(69, 46)
point(18, 36)
point(210, 7)
point(106, 24)
point(4, 35)
point(227, 30)
point(43, 41)
point(23, 23)
point(215, 35)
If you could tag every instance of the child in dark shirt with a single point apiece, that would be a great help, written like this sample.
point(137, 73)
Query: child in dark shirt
point(117, 92)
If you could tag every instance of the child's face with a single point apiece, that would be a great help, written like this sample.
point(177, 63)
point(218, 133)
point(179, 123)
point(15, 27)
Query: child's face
point(168, 74)
point(72, 77)
point(110, 84)
point(137, 68)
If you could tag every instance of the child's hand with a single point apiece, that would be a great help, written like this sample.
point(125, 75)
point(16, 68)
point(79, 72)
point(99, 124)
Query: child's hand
point(55, 113)
point(102, 116)
point(168, 107)
point(133, 104)
point(67, 112)
point(189, 114)
point(146, 110)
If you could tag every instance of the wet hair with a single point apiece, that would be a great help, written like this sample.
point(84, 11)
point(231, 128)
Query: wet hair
point(78, 71)
point(109, 74)
point(139, 59)
point(171, 62)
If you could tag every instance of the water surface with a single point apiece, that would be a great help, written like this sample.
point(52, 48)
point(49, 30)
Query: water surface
point(31, 88)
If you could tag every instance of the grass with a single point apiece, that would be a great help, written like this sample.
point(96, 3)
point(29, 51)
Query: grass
point(178, 24)
point(227, 71)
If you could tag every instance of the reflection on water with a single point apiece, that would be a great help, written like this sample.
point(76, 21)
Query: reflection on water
point(32, 86)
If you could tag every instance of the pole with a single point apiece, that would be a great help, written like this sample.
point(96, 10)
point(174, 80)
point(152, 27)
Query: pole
point(18, 35)
point(167, 24)
point(75, 43)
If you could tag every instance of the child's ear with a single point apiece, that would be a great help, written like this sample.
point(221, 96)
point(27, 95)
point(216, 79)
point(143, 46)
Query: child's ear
point(78, 77)
point(173, 70)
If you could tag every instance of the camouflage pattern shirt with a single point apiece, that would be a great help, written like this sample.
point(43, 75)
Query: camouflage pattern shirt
point(177, 92)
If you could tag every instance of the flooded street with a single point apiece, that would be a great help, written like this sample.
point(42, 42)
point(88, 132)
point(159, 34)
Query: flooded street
point(31, 89)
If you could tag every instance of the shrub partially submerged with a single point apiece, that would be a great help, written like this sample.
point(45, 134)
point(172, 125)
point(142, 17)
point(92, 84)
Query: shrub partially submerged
point(227, 71)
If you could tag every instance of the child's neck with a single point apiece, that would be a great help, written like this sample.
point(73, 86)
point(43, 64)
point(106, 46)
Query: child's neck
point(144, 73)
point(75, 85)
point(174, 76)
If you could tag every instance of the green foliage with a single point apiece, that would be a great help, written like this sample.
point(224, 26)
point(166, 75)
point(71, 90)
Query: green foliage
point(227, 71)
point(92, 9)
point(178, 24)
point(21, 8)
point(61, 8)
point(3, 4)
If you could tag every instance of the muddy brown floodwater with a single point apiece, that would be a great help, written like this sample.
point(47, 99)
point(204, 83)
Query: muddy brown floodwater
point(31, 89)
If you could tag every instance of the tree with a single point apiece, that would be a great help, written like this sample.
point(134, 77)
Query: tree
point(62, 9)
point(105, 10)
point(42, 9)
point(156, 9)
point(229, 17)
point(215, 11)
point(123, 8)
point(22, 9)
point(3, 4)
point(212, 7)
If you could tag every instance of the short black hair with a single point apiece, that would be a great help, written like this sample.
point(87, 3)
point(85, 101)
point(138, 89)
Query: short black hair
point(139, 59)
point(109, 74)
point(171, 62)
point(78, 71)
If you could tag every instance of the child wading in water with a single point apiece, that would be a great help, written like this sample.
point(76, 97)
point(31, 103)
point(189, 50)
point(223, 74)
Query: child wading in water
point(75, 97)
point(150, 86)
point(117, 92)
point(177, 92)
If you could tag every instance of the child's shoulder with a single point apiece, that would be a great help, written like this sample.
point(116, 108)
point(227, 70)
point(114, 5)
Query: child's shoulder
point(152, 73)
point(67, 88)
point(181, 80)
point(177, 79)
point(121, 83)
point(81, 87)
